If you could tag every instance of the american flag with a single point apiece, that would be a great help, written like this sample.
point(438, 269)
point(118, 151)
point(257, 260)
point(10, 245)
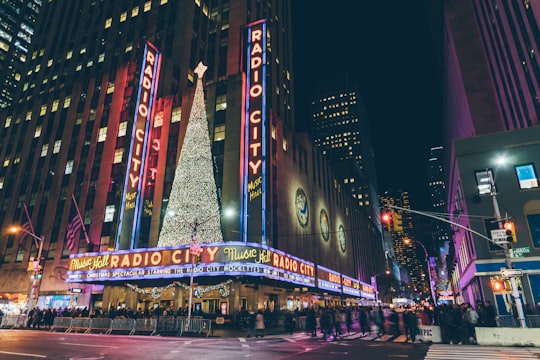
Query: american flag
point(25, 229)
point(75, 224)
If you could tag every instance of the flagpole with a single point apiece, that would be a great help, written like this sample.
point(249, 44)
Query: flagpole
point(29, 220)
point(80, 218)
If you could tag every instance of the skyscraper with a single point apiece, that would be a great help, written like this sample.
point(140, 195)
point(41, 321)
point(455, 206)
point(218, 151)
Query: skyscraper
point(340, 129)
point(17, 19)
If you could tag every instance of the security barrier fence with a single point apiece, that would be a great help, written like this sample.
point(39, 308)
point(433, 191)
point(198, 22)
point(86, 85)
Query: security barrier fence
point(165, 325)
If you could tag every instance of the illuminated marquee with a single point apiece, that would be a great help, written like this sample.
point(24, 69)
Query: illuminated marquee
point(328, 279)
point(132, 201)
point(350, 286)
point(233, 258)
point(253, 153)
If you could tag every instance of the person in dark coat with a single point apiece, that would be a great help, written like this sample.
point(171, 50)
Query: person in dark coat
point(490, 314)
point(311, 322)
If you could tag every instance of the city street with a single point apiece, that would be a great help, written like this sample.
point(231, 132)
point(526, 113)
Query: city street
point(35, 344)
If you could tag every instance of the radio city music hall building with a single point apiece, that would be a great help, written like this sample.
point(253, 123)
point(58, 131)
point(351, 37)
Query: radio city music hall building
point(113, 136)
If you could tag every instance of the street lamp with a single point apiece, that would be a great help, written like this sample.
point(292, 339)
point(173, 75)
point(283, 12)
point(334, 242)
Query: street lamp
point(507, 257)
point(38, 240)
point(408, 241)
point(374, 282)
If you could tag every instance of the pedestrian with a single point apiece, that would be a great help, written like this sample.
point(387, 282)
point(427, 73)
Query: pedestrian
point(378, 320)
point(289, 322)
point(326, 323)
point(251, 324)
point(413, 324)
point(471, 320)
point(259, 324)
point(348, 320)
point(393, 318)
point(336, 320)
point(311, 322)
point(490, 314)
point(364, 321)
point(406, 320)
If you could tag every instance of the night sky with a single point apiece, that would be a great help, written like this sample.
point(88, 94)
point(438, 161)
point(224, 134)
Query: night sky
point(386, 47)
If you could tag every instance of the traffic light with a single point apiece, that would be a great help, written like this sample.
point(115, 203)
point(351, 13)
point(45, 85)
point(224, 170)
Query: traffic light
point(386, 217)
point(510, 232)
point(497, 285)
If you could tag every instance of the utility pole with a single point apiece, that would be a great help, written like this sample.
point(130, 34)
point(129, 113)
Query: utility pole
point(507, 257)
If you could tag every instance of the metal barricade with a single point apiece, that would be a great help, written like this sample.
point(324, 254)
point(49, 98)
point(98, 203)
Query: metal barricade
point(145, 326)
point(13, 321)
point(80, 324)
point(122, 325)
point(166, 324)
point(198, 326)
point(532, 321)
point(301, 322)
point(100, 325)
point(61, 323)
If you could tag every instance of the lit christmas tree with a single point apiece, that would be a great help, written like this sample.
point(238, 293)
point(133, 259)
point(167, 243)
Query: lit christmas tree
point(193, 203)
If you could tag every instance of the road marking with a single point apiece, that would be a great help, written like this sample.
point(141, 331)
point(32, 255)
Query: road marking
point(22, 354)
point(90, 345)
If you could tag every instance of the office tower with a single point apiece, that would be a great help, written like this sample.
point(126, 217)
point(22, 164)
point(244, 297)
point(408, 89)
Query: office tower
point(490, 72)
point(103, 114)
point(340, 129)
point(17, 19)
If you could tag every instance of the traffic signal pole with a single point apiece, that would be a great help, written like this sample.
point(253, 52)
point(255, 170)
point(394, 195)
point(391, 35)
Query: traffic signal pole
point(507, 257)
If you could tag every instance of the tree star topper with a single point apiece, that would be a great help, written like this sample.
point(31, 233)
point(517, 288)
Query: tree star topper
point(200, 70)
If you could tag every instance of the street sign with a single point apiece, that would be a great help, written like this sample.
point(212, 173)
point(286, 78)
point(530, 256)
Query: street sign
point(511, 272)
point(499, 236)
point(518, 252)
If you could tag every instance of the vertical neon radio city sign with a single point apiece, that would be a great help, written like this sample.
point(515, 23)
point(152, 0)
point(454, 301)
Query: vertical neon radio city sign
point(132, 200)
point(253, 153)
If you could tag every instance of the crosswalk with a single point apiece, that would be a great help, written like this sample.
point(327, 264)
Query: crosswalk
point(443, 351)
point(473, 352)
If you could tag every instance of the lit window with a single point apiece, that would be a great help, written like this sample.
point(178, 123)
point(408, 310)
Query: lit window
point(67, 102)
point(102, 134)
point(43, 110)
point(101, 58)
point(109, 213)
point(110, 88)
point(69, 54)
point(108, 23)
point(483, 181)
point(78, 68)
point(57, 146)
point(129, 47)
point(527, 177)
point(1, 182)
point(54, 106)
point(8, 122)
point(118, 154)
point(135, 11)
point(147, 6)
point(176, 115)
point(90, 63)
point(50, 63)
point(83, 51)
point(273, 132)
point(69, 167)
point(221, 102)
point(284, 143)
point(37, 133)
point(122, 129)
point(6, 162)
point(163, 2)
point(219, 133)
point(123, 16)
point(28, 116)
point(44, 150)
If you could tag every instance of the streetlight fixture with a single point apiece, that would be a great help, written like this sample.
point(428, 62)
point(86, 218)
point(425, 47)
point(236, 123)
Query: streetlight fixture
point(374, 282)
point(507, 257)
point(408, 241)
point(38, 240)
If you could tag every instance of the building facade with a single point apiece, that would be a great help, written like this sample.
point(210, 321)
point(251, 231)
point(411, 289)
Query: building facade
point(107, 121)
